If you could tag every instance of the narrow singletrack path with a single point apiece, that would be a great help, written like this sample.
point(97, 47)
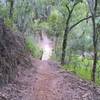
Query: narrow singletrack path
point(54, 84)
point(45, 87)
point(46, 46)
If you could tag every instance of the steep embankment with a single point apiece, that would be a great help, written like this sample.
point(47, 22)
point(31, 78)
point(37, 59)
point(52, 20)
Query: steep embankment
point(12, 53)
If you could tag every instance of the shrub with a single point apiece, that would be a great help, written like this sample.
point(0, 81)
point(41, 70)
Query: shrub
point(33, 47)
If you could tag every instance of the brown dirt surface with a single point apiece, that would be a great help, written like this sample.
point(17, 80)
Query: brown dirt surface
point(45, 80)
point(12, 53)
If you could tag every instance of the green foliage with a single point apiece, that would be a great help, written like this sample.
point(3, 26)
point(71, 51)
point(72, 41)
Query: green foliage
point(33, 47)
point(3, 11)
point(83, 67)
point(56, 23)
point(8, 22)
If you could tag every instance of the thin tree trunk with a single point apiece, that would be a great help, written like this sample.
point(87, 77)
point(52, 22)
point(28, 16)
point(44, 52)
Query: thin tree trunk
point(94, 43)
point(65, 37)
point(95, 50)
point(11, 8)
point(64, 46)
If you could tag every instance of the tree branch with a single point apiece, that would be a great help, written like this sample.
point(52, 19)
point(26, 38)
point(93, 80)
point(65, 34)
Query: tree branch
point(68, 8)
point(74, 6)
point(70, 12)
point(81, 21)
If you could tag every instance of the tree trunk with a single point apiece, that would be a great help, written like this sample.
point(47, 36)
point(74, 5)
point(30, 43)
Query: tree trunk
point(94, 42)
point(65, 37)
point(95, 49)
point(64, 46)
point(11, 8)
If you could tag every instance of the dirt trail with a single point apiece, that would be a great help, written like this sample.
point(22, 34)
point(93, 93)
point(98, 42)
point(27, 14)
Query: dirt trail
point(46, 46)
point(53, 84)
point(48, 82)
point(45, 88)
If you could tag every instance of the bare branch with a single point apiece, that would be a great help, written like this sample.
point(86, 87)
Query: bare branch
point(68, 8)
point(81, 21)
point(74, 6)
point(70, 13)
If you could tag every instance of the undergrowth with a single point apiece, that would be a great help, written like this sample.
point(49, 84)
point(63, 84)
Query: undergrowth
point(83, 68)
point(33, 47)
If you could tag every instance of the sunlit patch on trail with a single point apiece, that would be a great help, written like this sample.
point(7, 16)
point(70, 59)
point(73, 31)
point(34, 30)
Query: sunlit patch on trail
point(47, 52)
point(46, 45)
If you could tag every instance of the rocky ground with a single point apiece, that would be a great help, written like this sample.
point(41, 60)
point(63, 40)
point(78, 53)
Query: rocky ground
point(45, 80)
